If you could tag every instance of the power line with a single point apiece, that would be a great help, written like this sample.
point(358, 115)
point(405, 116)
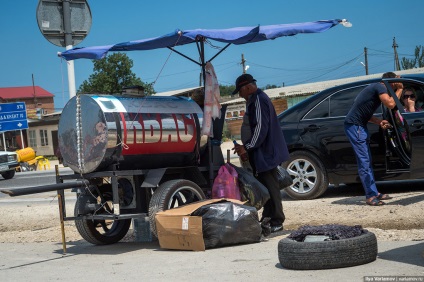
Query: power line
point(193, 70)
point(326, 68)
point(391, 54)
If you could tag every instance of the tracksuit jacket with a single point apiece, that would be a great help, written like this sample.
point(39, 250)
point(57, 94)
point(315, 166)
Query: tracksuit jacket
point(267, 140)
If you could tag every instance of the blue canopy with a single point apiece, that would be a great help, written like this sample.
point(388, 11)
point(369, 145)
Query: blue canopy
point(238, 35)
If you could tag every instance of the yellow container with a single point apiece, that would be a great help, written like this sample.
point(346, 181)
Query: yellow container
point(25, 154)
point(43, 163)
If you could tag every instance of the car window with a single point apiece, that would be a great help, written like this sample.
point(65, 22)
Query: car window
point(337, 104)
point(342, 101)
point(419, 93)
point(320, 111)
point(420, 98)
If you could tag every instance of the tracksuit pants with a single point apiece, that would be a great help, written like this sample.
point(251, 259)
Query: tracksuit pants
point(273, 208)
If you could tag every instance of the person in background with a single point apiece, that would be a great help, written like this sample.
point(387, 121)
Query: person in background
point(264, 143)
point(355, 126)
point(409, 99)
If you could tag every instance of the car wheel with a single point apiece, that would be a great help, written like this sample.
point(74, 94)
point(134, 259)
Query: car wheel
point(328, 254)
point(309, 176)
point(8, 174)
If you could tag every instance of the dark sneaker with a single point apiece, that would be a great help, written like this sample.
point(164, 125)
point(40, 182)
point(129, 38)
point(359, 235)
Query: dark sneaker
point(266, 226)
point(276, 228)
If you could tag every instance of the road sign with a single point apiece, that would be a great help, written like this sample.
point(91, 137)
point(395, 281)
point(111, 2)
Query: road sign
point(51, 20)
point(13, 116)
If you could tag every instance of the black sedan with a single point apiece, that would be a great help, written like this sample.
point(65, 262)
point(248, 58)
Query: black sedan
point(320, 152)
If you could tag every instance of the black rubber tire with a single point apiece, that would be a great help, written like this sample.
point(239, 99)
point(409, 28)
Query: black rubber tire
point(328, 254)
point(8, 174)
point(172, 194)
point(101, 232)
point(309, 176)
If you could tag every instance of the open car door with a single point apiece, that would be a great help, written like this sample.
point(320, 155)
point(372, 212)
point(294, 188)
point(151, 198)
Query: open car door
point(405, 141)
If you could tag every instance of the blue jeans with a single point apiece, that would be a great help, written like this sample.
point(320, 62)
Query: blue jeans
point(358, 137)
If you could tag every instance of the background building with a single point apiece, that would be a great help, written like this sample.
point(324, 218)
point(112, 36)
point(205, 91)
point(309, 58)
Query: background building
point(38, 102)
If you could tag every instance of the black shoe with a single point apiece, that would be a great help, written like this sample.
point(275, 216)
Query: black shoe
point(266, 226)
point(276, 228)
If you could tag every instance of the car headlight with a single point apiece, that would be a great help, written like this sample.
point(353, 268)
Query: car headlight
point(12, 158)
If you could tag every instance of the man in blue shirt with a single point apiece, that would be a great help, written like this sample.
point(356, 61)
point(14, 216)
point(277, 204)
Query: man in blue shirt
point(355, 125)
point(265, 145)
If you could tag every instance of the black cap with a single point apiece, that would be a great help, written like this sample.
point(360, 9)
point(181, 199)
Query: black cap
point(243, 80)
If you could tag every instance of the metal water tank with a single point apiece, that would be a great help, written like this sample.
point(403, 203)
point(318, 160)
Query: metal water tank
point(97, 131)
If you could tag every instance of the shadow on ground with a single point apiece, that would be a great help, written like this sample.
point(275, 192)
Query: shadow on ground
point(407, 254)
point(82, 247)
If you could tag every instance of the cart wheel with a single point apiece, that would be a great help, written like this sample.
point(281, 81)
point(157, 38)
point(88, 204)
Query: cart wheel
point(172, 194)
point(100, 232)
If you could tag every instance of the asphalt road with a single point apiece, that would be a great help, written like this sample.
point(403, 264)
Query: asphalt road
point(147, 262)
point(30, 179)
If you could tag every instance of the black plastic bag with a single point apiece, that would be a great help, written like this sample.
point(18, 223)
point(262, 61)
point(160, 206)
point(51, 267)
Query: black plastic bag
point(252, 190)
point(227, 223)
point(284, 178)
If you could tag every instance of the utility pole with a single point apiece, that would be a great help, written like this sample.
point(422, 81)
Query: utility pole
point(397, 65)
point(242, 63)
point(366, 60)
point(201, 72)
point(35, 95)
point(68, 43)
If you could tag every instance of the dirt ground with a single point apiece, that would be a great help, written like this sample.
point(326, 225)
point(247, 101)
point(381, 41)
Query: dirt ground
point(400, 220)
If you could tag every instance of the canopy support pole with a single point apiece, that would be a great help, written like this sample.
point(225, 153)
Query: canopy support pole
point(181, 54)
point(222, 50)
point(200, 43)
point(201, 49)
point(203, 60)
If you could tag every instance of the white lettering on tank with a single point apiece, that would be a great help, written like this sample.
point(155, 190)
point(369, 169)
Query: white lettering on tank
point(164, 128)
point(152, 128)
point(169, 132)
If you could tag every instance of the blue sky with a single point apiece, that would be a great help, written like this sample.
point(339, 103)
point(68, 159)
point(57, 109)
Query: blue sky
point(336, 53)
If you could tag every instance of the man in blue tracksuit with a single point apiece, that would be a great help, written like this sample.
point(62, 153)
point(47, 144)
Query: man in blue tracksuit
point(264, 143)
point(355, 125)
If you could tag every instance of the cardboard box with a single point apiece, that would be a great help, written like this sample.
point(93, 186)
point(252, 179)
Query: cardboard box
point(178, 230)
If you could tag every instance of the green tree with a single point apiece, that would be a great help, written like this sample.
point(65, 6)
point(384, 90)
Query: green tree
point(270, 86)
point(226, 90)
point(417, 62)
point(111, 74)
